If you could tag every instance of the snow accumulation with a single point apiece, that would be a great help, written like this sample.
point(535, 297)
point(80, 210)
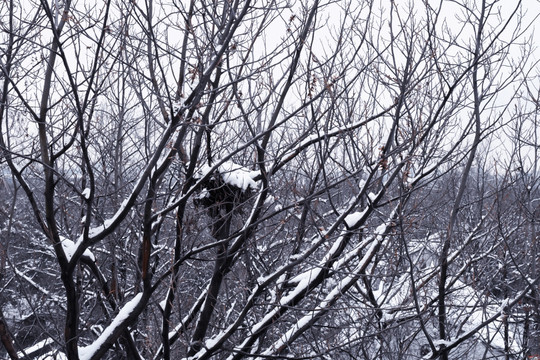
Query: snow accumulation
point(361, 183)
point(352, 219)
point(270, 199)
point(237, 175)
point(203, 194)
point(86, 193)
point(95, 230)
point(107, 223)
point(42, 350)
point(396, 301)
point(40, 345)
point(87, 352)
point(70, 247)
point(440, 342)
point(162, 304)
point(323, 306)
point(233, 174)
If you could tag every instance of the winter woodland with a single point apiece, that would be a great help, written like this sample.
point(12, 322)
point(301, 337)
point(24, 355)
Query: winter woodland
point(269, 179)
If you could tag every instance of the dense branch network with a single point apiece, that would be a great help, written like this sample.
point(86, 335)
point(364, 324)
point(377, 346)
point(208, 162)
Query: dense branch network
point(268, 179)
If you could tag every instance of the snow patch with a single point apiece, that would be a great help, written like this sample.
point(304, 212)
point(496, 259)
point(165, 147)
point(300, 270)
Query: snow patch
point(361, 184)
point(86, 193)
point(270, 199)
point(70, 247)
point(443, 342)
point(32, 349)
point(86, 353)
point(108, 222)
point(380, 229)
point(236, 175)
point(203, 194)
point(233, 174)
point(95, 230)
point(354, 218)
